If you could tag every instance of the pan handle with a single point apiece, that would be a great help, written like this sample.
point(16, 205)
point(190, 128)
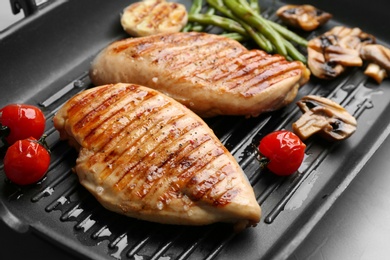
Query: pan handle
point(28, 6)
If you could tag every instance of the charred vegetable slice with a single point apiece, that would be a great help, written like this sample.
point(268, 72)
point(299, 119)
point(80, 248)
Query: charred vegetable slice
point(324, 117)
point(305, 17)
point(151, 17)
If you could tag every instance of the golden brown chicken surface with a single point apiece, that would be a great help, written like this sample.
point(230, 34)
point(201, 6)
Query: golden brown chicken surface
point(210, 74)
point(144, 155)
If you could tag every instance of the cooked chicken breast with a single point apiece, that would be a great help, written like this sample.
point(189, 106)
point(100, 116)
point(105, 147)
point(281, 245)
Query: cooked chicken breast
point(144, 155)
point(210, 74)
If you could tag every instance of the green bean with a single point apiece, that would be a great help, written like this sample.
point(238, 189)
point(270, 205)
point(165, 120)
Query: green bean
point(235, 36)
point(240, 9)
point(220, 7)
point(286, 37)
point(210, 10)
point(293, 52)
point(260, 40)
point(201, 27)
point(198, 27)
point(287, 34)
point(196, 7)
point(222, 22)
point(254, 4)
point(241, 19)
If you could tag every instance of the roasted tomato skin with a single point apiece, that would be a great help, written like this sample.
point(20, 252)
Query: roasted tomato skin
point(284, 150)
point(26, 161)
point(23, 121)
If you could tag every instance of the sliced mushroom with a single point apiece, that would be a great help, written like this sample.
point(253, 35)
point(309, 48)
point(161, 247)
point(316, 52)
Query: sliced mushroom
point(379, 56)
point(305, 17)
point(330, 53)
point(324, 117)
point(375, 72)
point(320, 67)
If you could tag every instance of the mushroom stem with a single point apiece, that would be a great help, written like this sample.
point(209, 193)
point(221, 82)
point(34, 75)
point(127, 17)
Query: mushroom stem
point(376, 72)
point(308, 124)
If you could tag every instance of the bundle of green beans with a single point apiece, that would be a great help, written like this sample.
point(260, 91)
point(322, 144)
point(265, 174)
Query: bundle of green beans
point(241, 19)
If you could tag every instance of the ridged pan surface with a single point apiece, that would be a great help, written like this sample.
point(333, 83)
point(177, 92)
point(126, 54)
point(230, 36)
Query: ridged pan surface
point(49, 69)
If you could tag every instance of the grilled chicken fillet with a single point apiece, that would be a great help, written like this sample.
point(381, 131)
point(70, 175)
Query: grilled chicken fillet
point(210, 74)
point(144, 155)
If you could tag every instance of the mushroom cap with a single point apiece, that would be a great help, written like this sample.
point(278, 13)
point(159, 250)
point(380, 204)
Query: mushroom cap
point(329, 54)
point(305, 17)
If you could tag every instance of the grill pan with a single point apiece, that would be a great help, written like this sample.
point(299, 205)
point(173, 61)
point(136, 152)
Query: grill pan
point(44, 60)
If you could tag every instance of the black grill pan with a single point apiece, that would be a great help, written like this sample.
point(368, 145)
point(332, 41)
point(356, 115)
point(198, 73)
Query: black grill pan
point(44, 60)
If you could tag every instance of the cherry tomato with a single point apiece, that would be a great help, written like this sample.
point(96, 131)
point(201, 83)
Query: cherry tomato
point(21, 121)
point(26, 161)
point(284, 152)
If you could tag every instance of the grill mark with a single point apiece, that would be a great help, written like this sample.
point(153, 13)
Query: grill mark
point(243, 58)
point(173, 190)
point(160, 12)
point(145, 46)
point(233, 67)
point(190, 165)
point(270, 68)
point(187, 54)
point(93, 116)
point(211, 64)
point(260, 63)
point(165, 164)
point(194, 166)
point(144, 10)
point(220, 196)
point(273, 71)
point(153, 44)
point(288, 71)
point(128, 154)
point(152, 130)
point(136, 174)
point(227, 197)
point(114, 125)
point(77, 109)
point(110, 121)
point(202, 184)
point(197, 191)
point(202, 56)
point(168, 47)
point(178, 187)
point(174, 7)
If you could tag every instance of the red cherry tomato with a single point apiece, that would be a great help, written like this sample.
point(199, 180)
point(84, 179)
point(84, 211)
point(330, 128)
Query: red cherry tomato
point(284, 151)
point(26, 161)
point(22, 122)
